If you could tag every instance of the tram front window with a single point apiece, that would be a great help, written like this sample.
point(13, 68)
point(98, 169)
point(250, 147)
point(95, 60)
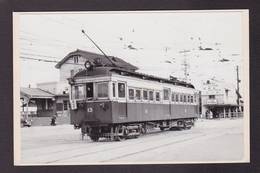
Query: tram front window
point(102, 90)
point(78, 92)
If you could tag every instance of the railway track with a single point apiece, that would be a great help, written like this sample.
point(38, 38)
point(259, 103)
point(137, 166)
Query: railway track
point(122, 149)
point(99, 146)
point(105, 151)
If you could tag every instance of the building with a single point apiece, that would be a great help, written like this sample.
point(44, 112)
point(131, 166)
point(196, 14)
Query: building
point(68, 67)
point(36, 102)
point(60, 90)
point(74, 62)
point(218, 101)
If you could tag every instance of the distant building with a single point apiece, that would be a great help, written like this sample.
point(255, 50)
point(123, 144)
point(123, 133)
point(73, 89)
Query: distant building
point(60, 90)
point(36, 102)
point(218, 101)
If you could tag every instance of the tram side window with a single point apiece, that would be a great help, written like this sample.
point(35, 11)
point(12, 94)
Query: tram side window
point(184, 98)
point(188, 99)
point(165, 94)
point(157, 96)
point(173, 97)
point(114, 89)
point(181, 98)
point(121, 90)
point(131, 94)
point(79, 92)
point(151, 95)
point(177, 98)
point(102, 90)
point(191, 99)
point(138, 94)
point(145, 95)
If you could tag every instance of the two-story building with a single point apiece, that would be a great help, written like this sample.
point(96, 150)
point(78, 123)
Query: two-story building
point(70, 65)
point(218, 100)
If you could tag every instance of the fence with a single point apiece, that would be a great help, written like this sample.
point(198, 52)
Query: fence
point(231, 115)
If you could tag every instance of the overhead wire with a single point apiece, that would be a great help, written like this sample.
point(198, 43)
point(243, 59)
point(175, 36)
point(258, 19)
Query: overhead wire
point(45, 60)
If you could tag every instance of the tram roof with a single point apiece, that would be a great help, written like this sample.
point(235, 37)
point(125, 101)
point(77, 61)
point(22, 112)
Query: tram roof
point(125, 72)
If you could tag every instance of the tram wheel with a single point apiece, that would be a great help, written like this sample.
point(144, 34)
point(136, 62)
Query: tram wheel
point(162, 128)
point(119, 138)
point(94, 138)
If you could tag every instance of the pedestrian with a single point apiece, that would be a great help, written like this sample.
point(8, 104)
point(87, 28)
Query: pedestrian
point(53, 120)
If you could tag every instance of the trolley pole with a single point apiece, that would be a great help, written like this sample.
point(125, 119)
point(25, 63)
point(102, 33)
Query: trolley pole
point(83, 31)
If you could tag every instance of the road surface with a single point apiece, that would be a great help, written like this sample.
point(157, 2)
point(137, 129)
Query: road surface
point(209, 141)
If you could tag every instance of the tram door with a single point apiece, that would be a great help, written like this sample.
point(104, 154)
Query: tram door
point(122, 107)
point(170, 105)
point(89, 105)
point(167, 100)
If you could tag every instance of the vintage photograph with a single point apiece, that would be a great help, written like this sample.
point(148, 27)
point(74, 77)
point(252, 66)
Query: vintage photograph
point(131, 87)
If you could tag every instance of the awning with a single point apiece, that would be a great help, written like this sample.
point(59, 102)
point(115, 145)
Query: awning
point(30, 93)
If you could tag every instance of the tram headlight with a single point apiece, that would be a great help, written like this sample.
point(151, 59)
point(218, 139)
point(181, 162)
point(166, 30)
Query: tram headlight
point(88, 65)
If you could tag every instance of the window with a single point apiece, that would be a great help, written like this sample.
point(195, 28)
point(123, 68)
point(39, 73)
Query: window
point(188, 99)
point(131, 94)
point(65, 105)
point(181, 98)
point(145, 95)
point(177, 97)
point(138, 94)
point(211, 96)
point(151, 95)
point(114, 89)
point(157, 96)
point(166, 94)
point(71, 73)
point(78, 92)
point(195, 98)
point(184, 98)
point(59, 107)
point(173, 97)
point(102, 90)
point(121, 90)
point(191, 99)
point(76, 59)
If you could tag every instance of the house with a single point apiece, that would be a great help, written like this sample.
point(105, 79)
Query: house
point(218, 101)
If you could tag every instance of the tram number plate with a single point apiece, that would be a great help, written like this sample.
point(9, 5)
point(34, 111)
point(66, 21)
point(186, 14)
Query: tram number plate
point(90, 109)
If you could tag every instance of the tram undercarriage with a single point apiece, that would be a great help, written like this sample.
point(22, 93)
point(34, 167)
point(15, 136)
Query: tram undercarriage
point(118, 132)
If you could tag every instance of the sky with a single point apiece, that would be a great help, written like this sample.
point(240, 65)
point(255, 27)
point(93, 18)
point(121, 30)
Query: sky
point(158, 43)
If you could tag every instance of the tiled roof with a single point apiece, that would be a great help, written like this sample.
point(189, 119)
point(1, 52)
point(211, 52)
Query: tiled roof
point(91, 56)
point(35, 93)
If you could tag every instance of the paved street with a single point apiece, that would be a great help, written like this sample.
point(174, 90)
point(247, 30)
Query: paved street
point(209, 141)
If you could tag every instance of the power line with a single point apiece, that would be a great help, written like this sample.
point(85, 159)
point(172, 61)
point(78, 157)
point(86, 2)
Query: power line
point(39, 55)
point(44, 60)
point(38, 59)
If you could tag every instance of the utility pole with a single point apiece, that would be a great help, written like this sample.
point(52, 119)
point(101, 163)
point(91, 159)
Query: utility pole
point(237, 91)
point(185, 65)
